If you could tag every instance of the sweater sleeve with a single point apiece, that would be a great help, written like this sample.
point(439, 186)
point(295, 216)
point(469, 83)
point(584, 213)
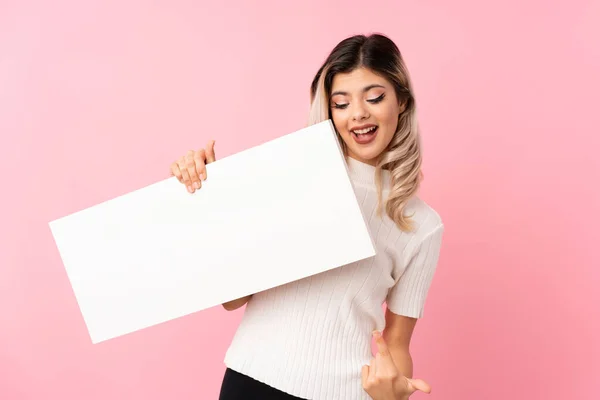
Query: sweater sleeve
point(407, 297)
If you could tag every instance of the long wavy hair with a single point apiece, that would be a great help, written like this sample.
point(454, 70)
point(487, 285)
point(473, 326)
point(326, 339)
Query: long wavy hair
point(403, 156)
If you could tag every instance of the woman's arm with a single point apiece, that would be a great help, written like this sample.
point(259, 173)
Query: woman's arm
point(235, 304)
point(397, 334)
point(389, 375)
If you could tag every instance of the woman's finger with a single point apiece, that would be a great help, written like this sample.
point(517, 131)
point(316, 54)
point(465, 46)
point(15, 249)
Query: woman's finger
point(176, 172)
point(199, 159)
point(365, 375)
point(210, 152)
point(190, 166)
point(382, 348)
point(419, 384)
point(373, 370)
point(187, 181)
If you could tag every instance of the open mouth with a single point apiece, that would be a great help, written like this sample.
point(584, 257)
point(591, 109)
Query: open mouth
point(365, 135)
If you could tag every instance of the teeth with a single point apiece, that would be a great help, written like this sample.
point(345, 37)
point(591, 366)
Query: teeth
point(363, 131)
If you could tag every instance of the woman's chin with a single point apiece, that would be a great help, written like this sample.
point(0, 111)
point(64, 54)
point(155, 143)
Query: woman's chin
point(368, 153)
point(367, 157)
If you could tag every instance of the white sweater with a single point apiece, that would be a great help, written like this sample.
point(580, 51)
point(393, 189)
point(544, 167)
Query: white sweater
point(311, 337)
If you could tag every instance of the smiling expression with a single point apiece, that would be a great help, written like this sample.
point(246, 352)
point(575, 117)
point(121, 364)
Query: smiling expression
point(364, 110)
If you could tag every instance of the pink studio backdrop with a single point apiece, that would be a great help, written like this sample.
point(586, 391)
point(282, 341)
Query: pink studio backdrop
point(98, 97)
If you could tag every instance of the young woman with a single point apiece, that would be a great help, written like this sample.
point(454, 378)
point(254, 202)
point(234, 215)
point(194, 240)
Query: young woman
point(311, 339)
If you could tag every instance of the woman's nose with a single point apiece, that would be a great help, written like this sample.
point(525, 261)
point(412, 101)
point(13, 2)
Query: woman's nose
point(359, 113)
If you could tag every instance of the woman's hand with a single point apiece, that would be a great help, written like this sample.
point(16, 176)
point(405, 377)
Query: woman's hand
point(191, 171)
point(382, 380)
point(191, 168)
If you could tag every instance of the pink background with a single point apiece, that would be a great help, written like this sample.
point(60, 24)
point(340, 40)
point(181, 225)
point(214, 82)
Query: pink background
point(98, 97)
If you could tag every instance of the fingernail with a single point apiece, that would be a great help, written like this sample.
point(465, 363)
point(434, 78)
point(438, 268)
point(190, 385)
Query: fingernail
point(189, 188)
point(196, 185)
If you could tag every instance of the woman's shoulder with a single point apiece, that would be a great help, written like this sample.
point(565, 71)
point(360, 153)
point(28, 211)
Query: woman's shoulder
point(427, 229)
point(425, 218)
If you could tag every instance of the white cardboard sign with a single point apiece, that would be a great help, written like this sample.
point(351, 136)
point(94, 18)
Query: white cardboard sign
point(266, 216)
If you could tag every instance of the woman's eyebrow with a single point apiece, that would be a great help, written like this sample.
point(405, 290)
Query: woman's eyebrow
point(365, 89)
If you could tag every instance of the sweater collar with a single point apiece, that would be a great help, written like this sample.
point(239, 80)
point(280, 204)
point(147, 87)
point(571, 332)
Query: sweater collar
point(363, 173)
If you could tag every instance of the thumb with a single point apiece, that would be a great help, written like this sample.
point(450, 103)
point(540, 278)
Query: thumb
point(418, 384)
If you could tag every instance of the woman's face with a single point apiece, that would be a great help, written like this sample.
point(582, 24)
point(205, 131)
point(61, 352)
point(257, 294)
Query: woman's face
point(364, 110)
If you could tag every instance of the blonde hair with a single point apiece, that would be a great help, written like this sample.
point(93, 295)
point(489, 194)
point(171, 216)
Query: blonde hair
point(403, 156)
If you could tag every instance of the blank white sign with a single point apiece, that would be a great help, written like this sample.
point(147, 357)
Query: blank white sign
point(266, 216)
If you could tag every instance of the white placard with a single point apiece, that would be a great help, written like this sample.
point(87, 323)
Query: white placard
point(269, 215)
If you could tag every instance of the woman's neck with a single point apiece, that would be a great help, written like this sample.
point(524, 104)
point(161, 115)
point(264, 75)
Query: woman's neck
point(364, 173)
point(372, 162)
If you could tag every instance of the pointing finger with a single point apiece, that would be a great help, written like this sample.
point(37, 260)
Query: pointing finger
point(382, 348)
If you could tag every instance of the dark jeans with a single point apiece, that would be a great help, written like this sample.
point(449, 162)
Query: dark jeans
point(237, 386)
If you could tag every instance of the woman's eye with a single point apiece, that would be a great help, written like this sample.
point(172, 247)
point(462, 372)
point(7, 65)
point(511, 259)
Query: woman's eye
point(340, 106)
point(378, 99)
